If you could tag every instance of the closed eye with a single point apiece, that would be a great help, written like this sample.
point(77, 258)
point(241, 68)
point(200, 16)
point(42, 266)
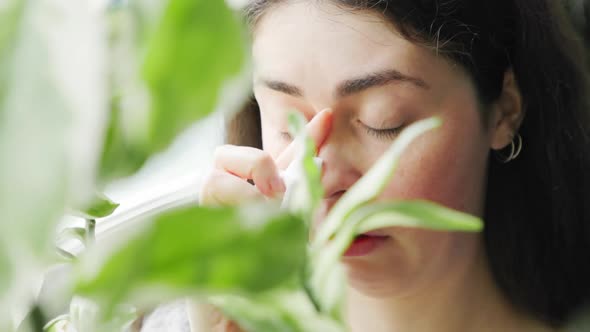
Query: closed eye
point(285, 135)
point(383, 133)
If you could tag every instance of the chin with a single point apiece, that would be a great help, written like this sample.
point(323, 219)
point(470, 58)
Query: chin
point(379, 275)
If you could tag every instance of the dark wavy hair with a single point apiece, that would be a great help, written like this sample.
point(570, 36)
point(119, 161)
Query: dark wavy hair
point(537, 220)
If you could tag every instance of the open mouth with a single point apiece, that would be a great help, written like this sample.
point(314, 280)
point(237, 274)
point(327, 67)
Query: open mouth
point(365, 244)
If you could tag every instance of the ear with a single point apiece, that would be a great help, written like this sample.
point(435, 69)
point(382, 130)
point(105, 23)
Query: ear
point(507, 113)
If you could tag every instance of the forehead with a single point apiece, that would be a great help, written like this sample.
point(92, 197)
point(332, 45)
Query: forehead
point(317, 45)
point(310, 40)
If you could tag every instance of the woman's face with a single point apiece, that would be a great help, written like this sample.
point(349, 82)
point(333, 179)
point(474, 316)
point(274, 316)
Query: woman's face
point(311, 56)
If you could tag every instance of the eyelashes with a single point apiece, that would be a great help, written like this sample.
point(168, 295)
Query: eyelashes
point(285, 135)
point(383, 134)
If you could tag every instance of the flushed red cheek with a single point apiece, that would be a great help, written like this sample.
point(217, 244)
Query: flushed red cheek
point(453, 178)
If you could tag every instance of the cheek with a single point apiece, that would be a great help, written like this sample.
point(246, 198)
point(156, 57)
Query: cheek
point(447, 166)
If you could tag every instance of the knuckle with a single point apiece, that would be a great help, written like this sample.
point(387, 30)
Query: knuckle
point(219, 152)
point(263, 160)
point(216, 317)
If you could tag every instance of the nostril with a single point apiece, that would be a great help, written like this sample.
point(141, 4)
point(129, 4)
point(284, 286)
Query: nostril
point(331, 199)
point(337, 194)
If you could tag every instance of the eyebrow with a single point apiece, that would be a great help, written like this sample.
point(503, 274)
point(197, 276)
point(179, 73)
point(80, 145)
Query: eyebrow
point(355, 85)
point(283, 87)
point(377, 79)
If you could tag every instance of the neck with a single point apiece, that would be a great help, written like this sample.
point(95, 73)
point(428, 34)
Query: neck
point(470, 302)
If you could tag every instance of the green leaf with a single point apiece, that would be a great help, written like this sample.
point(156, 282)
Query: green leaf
point(100, 207)
point(5, 269)
point(192, 50)
point(306, 191)
point(33, 125)
point(10, 15)
point(32, 167)
point(121, 155)
point(281, 310)
point(196, 48)
point(196, 249)
point(373, 182)
point(420, 214)
point(77, 233)
point(57, 324)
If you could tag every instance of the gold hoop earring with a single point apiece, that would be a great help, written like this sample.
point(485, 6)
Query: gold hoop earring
point(515, 149)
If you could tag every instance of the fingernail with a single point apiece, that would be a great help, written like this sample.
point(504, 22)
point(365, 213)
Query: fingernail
point(277, 184)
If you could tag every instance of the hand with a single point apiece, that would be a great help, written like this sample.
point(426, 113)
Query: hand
point(204, 317)
point(227, 183)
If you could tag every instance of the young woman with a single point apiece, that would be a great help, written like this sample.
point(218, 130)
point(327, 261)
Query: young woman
point(507, 79)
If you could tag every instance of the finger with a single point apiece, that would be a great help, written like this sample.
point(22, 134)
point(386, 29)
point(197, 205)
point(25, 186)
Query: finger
point(230, 326)
point(251, 163)
point(218, 322)
point(220, 189)
point(318, 129)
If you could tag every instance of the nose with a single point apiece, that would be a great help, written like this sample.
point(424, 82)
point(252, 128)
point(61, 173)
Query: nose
point(337, 174)
point(339, 171)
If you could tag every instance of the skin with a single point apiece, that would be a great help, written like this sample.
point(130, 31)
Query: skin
point(322, 61)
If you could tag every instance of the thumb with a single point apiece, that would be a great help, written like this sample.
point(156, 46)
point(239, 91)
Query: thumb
point(318, 129)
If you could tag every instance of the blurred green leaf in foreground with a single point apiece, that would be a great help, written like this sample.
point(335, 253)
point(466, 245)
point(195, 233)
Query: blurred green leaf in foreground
point(197, 249)
point(195, 48)
point(100, 207)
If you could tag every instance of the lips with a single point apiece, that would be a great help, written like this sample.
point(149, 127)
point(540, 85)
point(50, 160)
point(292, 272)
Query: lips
point(364, 245)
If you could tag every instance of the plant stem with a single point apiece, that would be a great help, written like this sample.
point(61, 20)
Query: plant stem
point(35, 320)
point(308, 290)
point(90, 231)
